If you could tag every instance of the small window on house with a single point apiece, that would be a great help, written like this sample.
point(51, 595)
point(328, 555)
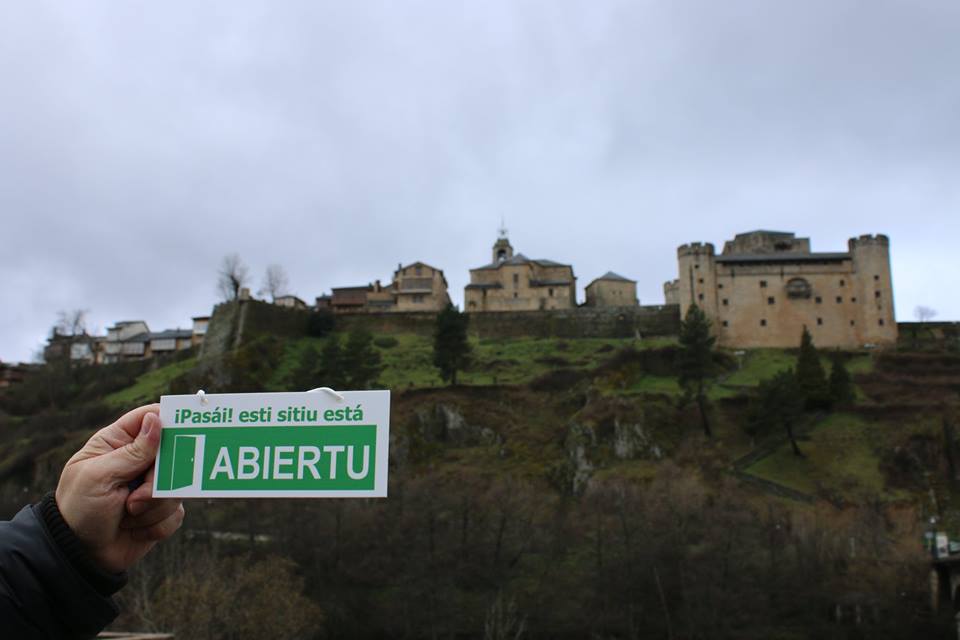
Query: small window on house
point(516, 281)
point(819, 321)
point(763, 284)
point(418, 271)
point(771, 300)
point(418, 298)
point(726, 302)
point(818, 300)
point(839, 299)
point(763, 323)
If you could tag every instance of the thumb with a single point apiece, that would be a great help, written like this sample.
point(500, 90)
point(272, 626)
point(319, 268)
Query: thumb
point(131, 460)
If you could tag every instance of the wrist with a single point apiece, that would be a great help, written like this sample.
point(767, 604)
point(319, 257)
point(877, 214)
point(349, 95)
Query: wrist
point(73, 548)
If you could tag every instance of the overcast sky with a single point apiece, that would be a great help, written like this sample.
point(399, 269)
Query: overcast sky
point(140, 142)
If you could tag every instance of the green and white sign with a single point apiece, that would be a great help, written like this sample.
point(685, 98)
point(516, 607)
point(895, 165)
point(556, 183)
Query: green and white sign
point(274, 445)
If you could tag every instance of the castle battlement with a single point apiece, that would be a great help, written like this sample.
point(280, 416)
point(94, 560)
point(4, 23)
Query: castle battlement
point(695, 249)
point(878, 240)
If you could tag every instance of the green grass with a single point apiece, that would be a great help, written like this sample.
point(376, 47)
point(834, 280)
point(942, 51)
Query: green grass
point(149, 386)
point(409, 364)
point(840, 453)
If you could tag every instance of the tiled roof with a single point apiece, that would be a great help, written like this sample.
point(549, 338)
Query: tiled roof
point(610, 275)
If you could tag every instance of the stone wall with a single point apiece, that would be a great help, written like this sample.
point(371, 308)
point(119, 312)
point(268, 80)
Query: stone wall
point(233, 322)
point(582, 322)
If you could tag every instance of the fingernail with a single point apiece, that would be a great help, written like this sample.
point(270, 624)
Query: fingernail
point(136, 508)
point(148, 422)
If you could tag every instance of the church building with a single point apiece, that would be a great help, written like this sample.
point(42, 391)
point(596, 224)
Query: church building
point(514, 282)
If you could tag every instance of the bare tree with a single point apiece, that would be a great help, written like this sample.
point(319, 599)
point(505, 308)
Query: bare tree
point(924, 314)
point(233, 276)
point(71, 323)
point(275, 283)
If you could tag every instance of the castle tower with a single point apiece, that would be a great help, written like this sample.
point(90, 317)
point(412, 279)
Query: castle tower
point(697, 278)
point(502, 249)
point(874, 287)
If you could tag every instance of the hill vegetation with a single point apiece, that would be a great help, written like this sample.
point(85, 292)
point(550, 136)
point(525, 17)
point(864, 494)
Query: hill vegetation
point(564, 487)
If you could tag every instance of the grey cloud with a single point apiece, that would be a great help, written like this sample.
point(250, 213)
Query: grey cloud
point(141, 142)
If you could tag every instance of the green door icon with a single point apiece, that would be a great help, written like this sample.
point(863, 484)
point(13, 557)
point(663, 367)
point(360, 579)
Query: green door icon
point(187, 461)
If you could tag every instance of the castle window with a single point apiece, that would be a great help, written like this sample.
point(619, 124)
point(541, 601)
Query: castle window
point(819, 321)
point(550, 292)
point(880, 321)
point(843, 283)
point(696, 266)
point(839, 299)
point(763, 284)
point(876, 294)
point(876, 278)
point(852, 322)
point(726, 324)
point(699, 296)
point(770, 300)
point(516, 282)
point(853, 299)
point(726, 302)
point(514, 294)
point(763, 323)
point(818, 300)
point(798, 288)
point(700, 280)
point(720, 286)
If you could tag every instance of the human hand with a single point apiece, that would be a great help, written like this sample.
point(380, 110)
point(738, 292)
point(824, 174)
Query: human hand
point(118, 526)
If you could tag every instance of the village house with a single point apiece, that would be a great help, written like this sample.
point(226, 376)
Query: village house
point(766, 286)
point(415, 287)
point(170, 341)
point(199, 331)
point(612, 290)
point(126, 340)
point(514, 282)
point(290, 301)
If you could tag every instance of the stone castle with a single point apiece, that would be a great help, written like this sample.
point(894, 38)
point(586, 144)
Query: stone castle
point(766, 286)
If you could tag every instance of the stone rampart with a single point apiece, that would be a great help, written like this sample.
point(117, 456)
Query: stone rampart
point(234, 322)
point(582, 322)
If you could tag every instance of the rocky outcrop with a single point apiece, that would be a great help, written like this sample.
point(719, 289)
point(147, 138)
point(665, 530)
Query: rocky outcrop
point(445, 423)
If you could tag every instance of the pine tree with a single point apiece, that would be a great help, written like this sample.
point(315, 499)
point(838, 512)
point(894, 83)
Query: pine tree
point(695, 360)
point(451, 350)
point(841, 386)
point(787, 402)
point(362, 360)
point(331, 372)
point(304, 376)
point(810, 375)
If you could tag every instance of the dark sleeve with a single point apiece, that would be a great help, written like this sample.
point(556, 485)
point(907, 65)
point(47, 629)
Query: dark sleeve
point(48, 586)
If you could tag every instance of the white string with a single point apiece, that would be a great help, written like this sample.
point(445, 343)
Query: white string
point(203, 396)
point(335, 394)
